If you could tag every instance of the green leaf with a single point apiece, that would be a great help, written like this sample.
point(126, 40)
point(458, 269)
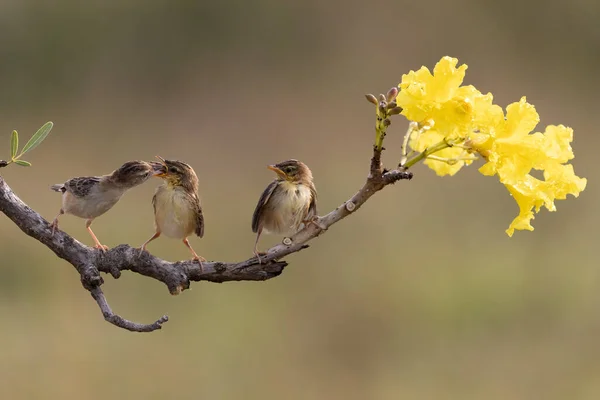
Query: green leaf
point(38, 137)
point(14, 144)
point(23, 163)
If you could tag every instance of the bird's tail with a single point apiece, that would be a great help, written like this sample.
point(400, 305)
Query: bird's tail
point(59, 187)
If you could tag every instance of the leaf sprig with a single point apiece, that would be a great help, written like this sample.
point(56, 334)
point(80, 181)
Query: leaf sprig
point(33, 142)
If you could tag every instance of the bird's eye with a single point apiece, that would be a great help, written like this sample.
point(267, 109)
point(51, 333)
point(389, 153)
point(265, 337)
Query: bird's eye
point(173, 170)
point(288, 170)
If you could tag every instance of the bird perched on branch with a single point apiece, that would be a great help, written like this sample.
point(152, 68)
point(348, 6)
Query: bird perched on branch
point(287, 203)
point(177, 210)
point(91, 196)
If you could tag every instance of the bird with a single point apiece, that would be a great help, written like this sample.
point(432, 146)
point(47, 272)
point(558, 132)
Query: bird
point(287, 203)
point(89, 197)
point(177, 210)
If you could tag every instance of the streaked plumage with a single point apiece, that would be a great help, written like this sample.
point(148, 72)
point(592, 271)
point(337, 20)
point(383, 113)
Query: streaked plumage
point(91, 196)
point(177, 209)
point(287, 203)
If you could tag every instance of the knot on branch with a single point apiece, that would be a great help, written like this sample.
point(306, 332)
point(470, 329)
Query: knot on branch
point(90, 277)
point(350, 206)
point(396, 175)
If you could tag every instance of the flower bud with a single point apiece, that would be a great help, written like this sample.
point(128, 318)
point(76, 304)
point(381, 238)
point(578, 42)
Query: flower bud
point(391, 94)
point(371, 98)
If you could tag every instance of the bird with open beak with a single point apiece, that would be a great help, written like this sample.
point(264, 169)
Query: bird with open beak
point(89, 197)
point(287, 203)
point(177, 209)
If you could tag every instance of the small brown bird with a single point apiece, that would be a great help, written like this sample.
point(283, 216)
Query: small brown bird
point(91, 196)
point(287, 203)
point(177, 210)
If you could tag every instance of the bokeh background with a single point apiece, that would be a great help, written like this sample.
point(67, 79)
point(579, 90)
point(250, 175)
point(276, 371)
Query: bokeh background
point(420, 295)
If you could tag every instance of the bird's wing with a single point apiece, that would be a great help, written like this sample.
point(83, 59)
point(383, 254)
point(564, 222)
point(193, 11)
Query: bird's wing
point(199, 216)
point(262, 202)
point(154, 201)
point(81, 186)
point(312, 208)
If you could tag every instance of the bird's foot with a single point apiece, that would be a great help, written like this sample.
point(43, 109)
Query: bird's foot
point(101, 247)
point(140, 250)
point(316, 221)
point(54, 226)
point(200, 260)
point(258, 254)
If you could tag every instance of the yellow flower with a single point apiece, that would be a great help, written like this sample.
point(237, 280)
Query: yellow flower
point(421, 141)
point(531, 193)
point(512, 152)
point(509, 147)
point(456, 111)
point(469, 123)
point(438, 97)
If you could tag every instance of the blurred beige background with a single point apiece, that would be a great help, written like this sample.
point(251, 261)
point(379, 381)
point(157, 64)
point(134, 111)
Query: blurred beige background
point(420, 295)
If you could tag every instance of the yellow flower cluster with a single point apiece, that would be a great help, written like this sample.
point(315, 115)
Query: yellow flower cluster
point(466, 123)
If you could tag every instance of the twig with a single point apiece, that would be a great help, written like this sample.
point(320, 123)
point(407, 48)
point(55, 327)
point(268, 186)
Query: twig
point(116, 320)
point(89, 262)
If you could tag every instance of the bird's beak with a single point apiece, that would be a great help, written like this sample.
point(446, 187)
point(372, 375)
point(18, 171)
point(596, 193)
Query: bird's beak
point(277, 171)
point(159, 169)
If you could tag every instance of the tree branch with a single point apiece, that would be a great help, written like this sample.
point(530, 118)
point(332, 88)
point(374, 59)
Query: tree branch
point(89, 262)
point(116, 320)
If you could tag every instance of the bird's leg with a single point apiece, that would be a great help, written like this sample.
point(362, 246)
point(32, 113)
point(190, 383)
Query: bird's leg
point(198, 258)
point(143, 247)
point(256, 252)
point(98, 245)
point(54, 223)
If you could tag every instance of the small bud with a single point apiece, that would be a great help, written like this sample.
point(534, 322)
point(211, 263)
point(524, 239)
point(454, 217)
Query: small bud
point(391, 94)
point(350, 206)
point(3, 163)
point(382, 108)
point(387, 122)
point(391, 105)
point(371, 98)
point(287, 241)
point(395, 110)
point(382, 98)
